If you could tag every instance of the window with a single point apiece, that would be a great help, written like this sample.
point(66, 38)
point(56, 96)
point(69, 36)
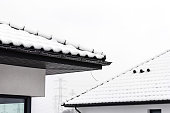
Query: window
point(15, 104)
point(155, 111)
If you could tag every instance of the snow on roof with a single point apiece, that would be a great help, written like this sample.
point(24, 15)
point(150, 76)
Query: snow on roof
point(149, 81)
point(23, 35)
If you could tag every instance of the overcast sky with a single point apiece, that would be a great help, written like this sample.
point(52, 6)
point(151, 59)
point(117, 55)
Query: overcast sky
point(128, 31)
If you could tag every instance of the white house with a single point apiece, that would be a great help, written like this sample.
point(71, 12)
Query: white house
point(26, 56)
point(142, 89)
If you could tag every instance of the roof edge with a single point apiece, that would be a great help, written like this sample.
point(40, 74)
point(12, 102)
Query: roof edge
point(52, 54)
point(118, 103)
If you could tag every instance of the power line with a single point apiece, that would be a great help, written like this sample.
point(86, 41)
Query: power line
point(93, 76)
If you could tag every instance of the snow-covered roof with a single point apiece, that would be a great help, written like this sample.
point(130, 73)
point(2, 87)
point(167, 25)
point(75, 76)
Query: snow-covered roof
point(23, 35)
point(22, 46)
point(147, 82)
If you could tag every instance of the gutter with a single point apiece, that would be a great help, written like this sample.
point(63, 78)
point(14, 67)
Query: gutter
point(77, 110)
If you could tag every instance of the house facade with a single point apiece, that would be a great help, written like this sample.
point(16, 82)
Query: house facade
point(144, 88)
point(149, 108)
point(27, 56)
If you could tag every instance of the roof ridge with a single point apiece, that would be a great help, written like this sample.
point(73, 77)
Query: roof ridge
point(100, 84)
point(51, 37)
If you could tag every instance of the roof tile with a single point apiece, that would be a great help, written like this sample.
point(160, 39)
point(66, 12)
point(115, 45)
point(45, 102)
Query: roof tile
point(23, 35)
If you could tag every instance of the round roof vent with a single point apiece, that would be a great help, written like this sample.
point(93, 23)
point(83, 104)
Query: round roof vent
point(134, 71)
point(141, 71)
point(148, 70)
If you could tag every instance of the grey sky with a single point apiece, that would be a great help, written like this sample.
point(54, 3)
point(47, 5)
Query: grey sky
point(128, 31)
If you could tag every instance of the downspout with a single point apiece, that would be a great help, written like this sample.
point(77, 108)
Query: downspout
point(77, 110)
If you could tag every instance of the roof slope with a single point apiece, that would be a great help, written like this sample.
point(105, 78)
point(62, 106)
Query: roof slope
point(21, 35)
point(147, 82)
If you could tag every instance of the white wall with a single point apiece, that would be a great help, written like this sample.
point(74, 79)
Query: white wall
point(17, 80)
point(126, 109)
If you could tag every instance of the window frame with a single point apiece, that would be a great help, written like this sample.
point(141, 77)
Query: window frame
point(27, 101)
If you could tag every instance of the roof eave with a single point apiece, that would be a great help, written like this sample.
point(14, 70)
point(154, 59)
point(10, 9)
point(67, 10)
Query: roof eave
point(118, 103)
point(54, 54)
point(48, 60)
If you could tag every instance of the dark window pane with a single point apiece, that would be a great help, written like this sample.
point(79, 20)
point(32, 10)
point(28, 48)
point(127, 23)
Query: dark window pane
point(155, 111)
point(11, 100)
